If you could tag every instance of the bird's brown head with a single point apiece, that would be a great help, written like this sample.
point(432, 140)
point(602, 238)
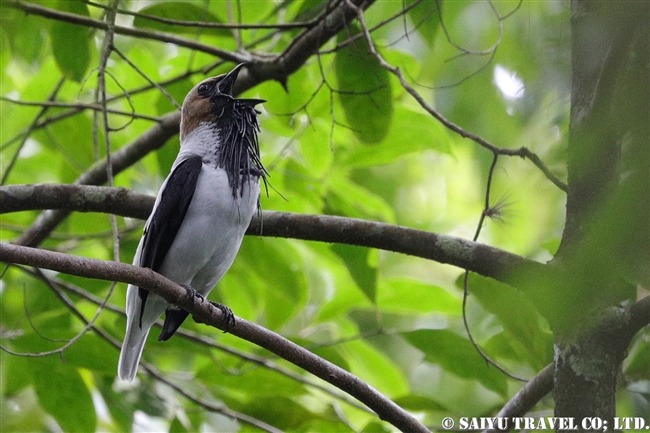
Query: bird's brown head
point(206, 101)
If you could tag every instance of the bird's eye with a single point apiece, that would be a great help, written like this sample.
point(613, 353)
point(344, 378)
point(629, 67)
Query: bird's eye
point(204, 89)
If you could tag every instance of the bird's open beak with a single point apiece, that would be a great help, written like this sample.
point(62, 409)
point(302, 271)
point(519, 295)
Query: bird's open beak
point(225, 86)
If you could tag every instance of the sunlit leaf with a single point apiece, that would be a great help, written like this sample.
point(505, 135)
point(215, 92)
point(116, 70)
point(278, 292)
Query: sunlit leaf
point(426, 19)
point(638, 367)
point(179, 11)
point(373, 366)
point(70, 43)
point(405, 294)
point(412, 131)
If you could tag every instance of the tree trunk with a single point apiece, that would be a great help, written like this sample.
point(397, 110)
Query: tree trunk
point(604, 246)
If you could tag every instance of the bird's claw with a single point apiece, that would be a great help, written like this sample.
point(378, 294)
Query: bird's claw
point(193, 293)
point(227, 312)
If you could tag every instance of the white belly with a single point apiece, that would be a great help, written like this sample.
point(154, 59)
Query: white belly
point(212, 231)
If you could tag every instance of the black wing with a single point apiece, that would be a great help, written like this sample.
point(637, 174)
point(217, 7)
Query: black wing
point(167, 218)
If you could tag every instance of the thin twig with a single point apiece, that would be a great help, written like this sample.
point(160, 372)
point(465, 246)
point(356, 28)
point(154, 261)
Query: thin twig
point(522, 151)
point(60, 350)
point(76, 106)
point(101, 87)
point(213, 25)
point(467, 51)
point(81, 20)
point(484, 214)
point(528, 396)
point(31, 128)
point(160, 88)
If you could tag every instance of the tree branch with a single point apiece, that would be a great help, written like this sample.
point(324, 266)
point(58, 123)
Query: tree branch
point(128, 155)
point(482, 259)
point(34, 9)
point(204, 312)
point(258, 70)
point(80, 106)
point(58, 284)
point(152, 370)
point(527, 397)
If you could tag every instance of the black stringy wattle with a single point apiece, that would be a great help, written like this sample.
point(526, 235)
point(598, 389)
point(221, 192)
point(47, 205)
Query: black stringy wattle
point(239, 152)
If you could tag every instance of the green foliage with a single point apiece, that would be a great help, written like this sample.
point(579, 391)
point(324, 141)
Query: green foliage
point(342, 137)
point(177, 11)
point(63, 394)
point(457, 355)
point(364, 90)
point(356, 260)
point(70, 44)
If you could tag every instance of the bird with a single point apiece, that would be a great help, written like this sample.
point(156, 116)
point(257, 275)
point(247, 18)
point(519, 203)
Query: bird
point(201, 212)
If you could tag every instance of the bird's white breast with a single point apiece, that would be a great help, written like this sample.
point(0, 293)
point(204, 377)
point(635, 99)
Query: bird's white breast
point(212, 231)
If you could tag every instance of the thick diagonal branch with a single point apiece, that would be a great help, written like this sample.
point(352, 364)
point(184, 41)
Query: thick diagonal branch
point(204, 312)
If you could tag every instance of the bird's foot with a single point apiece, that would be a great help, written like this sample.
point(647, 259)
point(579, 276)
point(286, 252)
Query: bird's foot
point(193, 293)
point(227, 312)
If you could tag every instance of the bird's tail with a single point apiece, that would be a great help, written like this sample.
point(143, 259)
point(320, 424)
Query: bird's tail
point(134, 339)
point(131, 351)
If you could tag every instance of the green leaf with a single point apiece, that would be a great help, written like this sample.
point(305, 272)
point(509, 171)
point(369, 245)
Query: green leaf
point(375, 427)
point(457, 355)
point(416, 403)
point(365, 88)
point(14, 378)
point(376, 368)
point(63, 394)
point(409, 295)
point(19, 32)
point(356, 260)
point(333, 355)
point(259, 382)
point(167, 154)
point(552, 245)
point(284, 284)
point(119, 405)
point(518, 316)
point(412, 131)
point(426, 19)
point(71, 44)
point(310, 9)
point(638, 367)
point(315, 150)
point(347, 198)
point(177, 426)
point(182, 11)
point(178, 90)
point(280, 412)
point(93, 353)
